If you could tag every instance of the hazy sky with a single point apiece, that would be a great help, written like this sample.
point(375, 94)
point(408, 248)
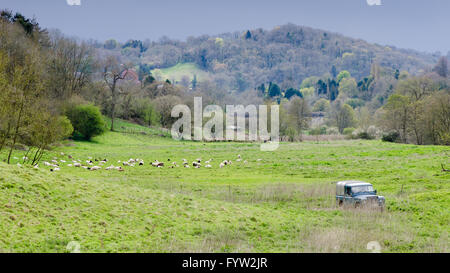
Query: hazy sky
point(419, 24)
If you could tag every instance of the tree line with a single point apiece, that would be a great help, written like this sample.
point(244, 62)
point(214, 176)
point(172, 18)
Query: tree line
point(53, 87)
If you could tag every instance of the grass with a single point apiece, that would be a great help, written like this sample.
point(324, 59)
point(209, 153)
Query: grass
point(281, 203)
point(178, 71)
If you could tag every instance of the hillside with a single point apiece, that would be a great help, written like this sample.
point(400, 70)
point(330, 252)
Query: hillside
point(285, 55)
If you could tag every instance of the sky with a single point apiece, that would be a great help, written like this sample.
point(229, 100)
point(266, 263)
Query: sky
point(416, 24)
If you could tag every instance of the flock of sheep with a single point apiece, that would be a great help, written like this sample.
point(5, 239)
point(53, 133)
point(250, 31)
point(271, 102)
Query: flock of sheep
point(96, 164)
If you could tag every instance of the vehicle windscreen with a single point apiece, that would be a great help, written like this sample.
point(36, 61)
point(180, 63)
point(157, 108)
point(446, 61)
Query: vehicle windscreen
point(360, 189)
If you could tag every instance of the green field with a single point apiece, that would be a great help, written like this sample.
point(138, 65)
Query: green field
point(177, 72)
point(283, 202)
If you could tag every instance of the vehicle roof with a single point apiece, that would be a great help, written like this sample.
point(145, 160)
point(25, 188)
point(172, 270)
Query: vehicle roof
point(354, 183)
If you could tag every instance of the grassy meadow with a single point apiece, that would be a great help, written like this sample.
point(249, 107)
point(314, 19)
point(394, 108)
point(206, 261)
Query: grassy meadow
point(177, 72)
point(280, 201)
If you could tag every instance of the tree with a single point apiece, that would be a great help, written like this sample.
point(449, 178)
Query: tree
point(110, 44)
point(292, 92)
point(333, 91)
point(86, 120)
point(343, 75)
point(113, 73)
point(344, 117)
point(299, 114)
point(416, 88)
point(322, 105)
point(248, 35)
point(70, 66)
point(437, 118)
point(441, 67)
point(194, 82)
point(347, 87)
point(274, 90)
point(164, 105)
point(396, 115)
point(333, 71)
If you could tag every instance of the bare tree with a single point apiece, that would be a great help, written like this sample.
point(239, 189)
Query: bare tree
point(69, 66)
point(112, 74)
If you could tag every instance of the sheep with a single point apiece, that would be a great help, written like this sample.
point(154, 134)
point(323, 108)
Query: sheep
point(47, 164)
point(238, 160)
point(187, 166)
point(69, 165)
point(221, 165)
point(239, 156)
point(36, 166)
point(77, 164)
point(208, 166)
point(110, 168)
point(54, 161)
point(125, 163)
point(120, 169)
point(62, 161)
point(158, 164)
point(196, 164)
point(95, 168)
point(141, 163)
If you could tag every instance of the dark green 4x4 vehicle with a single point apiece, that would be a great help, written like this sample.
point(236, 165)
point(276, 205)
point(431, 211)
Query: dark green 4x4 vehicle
point(358, 194)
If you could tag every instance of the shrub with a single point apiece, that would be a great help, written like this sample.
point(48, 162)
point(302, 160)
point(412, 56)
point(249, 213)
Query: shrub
point(391, 137)
point(348, 131)
point(66, 128)
point(318, 131)
point(87, 121)
point(332, 131)
point(364, 135)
